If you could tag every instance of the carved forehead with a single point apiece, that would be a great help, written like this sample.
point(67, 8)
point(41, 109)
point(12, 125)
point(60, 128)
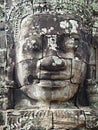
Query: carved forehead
point(50, 23)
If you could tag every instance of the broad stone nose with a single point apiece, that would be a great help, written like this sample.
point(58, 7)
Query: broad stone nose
point(51, 60)
point(51, 52)
point(51, 63)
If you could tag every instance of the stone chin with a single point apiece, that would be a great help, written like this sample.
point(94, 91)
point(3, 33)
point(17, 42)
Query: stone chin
point(43, 92)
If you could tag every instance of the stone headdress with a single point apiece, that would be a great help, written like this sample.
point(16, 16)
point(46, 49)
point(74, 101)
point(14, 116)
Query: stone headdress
point(18, 10)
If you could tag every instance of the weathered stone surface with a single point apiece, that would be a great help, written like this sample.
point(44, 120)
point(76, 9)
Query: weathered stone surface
point(4, 98)
point(54, 119)
point(2, 58)
point(68, 119)
point(30, 120)
point(3, 117)
point(91, 117)
point(47, 66)
point(97, 64)
point(46, 60)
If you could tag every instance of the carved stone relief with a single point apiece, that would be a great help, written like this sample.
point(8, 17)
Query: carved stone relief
point(50, 67)
point(50, 61)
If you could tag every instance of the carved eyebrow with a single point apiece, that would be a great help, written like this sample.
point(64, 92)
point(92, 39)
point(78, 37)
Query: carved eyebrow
point(29, 59)
point(74, 35)
point(63, 35)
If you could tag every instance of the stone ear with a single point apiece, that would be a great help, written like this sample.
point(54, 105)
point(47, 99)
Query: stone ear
point(95, 41)
point(10, 71)
point(11, 62)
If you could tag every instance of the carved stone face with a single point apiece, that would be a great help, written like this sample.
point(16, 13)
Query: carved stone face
point(50, 57)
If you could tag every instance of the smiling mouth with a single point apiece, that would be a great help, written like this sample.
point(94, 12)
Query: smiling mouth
point(52, 84)
point(53, 80)
point(61, 75)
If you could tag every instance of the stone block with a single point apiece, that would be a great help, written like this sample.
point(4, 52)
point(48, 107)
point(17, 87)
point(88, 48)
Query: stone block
point(2, 58)
point(2, 74)
point(64, 119)
point(3, 117)
point(4, 98)
point(1, 25)
point(30, 120)
point(2, 39)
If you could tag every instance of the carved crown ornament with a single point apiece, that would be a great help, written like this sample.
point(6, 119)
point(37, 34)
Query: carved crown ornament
point(80, 11)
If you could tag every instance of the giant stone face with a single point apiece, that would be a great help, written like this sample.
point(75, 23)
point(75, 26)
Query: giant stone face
point(50, 59)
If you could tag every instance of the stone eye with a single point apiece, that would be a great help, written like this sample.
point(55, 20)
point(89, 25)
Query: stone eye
point(61, 42)
point(26, 46)
point(31, 46)
point(76, 39)
point(76, 43)
point(30, 79)
point(35, 47)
